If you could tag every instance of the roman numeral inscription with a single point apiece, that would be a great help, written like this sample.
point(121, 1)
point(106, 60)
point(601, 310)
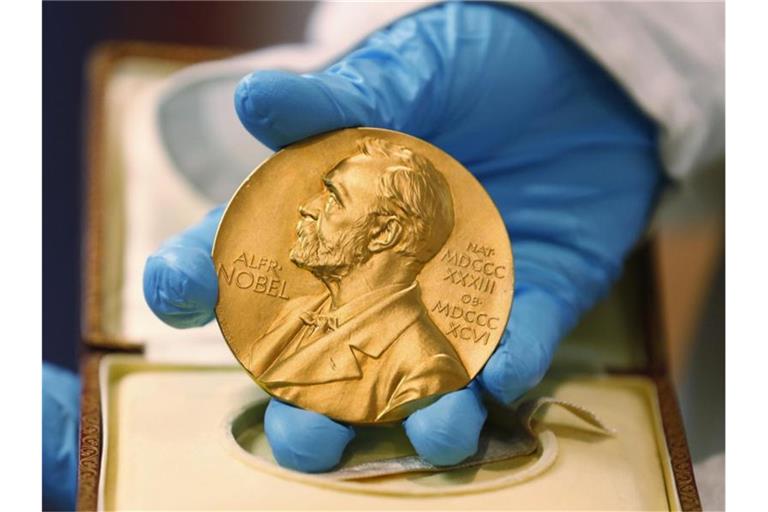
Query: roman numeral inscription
point(473, 268)
point(465, 323)
point(256, 274)
point(476, 273)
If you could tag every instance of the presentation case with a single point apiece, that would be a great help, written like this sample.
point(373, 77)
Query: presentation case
point(158, 404)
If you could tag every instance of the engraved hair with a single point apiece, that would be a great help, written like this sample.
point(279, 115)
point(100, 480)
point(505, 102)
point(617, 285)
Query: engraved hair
point(417, 194)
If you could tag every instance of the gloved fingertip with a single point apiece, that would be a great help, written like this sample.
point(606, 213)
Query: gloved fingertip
point(507, 392)
point(447, 431)
point(514, 369)
point(61, 398)
point(255, 96)
point(304, 440)
point(180, 285)
point(278, 107)
point(536, 325)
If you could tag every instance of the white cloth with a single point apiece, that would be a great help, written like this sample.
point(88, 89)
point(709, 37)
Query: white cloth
point(668, 56)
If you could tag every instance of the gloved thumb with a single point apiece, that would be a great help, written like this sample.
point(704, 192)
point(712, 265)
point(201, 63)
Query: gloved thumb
point(381, 84)
point(180, 283)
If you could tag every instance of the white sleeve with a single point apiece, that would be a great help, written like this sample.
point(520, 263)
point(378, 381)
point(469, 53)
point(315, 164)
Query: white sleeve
point(669, 57)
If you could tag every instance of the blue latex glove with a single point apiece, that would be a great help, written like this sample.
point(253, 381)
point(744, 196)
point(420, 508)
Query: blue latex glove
point(61, 402)
point(569, 160)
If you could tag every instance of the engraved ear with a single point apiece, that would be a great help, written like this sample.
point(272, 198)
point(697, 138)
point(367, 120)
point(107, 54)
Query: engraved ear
point(386, 235)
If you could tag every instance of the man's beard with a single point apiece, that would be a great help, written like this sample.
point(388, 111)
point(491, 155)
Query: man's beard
point(331, 259)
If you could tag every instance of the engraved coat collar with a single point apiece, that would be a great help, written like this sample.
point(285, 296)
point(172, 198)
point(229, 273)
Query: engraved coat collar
point(332, 357)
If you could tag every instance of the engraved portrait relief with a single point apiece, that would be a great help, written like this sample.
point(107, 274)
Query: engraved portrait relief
point(381, 215)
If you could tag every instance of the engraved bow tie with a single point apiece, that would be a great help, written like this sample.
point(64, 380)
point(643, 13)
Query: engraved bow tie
point(320, 321)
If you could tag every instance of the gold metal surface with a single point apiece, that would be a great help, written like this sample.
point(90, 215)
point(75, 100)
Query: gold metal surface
point(362, 273)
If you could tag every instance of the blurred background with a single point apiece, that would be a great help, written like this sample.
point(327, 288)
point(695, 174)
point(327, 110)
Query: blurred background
point(71, 32)
point(688, 249)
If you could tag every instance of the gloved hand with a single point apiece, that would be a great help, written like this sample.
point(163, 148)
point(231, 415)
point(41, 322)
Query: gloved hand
point(569, 160)
point(61, 399)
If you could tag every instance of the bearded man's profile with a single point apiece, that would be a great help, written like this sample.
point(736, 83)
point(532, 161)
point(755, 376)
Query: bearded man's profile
point(383, 214)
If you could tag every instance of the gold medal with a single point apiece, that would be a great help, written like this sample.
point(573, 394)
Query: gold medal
point(362, 273)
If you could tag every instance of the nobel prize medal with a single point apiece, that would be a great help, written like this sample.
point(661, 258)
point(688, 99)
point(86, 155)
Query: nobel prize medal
point(362, 274)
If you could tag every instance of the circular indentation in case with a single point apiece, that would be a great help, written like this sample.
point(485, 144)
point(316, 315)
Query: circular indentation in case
point(246, 438)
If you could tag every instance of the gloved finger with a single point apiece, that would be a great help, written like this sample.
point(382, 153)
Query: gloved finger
point(447, 431)
point(464, 76)
point(569, 245)
point(537, 323)
point(180, 284)
point(304, 440)
point(387, 82)
point(61, 403)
